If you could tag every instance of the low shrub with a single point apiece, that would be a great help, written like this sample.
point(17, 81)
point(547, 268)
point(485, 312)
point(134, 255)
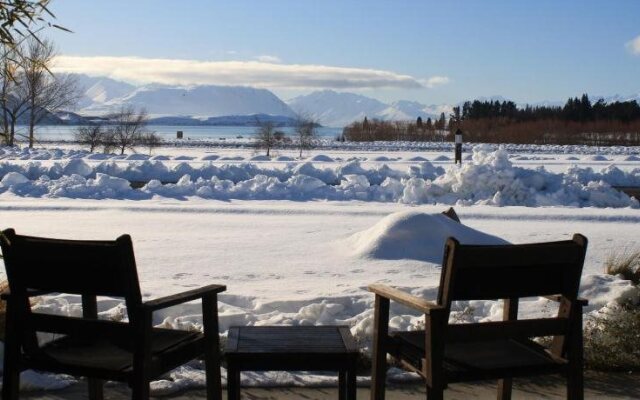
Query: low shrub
point(611, 339)
point(625, 263)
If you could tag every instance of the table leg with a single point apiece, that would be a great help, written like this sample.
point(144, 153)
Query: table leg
point(342, 385)
point(351, 384)
point(233, 383)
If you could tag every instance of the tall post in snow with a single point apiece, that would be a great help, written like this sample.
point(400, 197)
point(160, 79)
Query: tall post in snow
point(458, 148)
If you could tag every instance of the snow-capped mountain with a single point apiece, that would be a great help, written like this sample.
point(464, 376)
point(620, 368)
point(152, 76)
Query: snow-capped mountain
point(332, 108)
point(102, 96)
point(208, 101)
point(618, 97)
point(99, 90)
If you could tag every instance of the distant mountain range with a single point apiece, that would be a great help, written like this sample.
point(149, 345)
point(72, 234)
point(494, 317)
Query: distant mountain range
point(237, 105)
point(339, 109)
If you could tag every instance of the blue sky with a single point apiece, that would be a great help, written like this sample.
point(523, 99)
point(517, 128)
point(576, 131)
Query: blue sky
point(430, 51)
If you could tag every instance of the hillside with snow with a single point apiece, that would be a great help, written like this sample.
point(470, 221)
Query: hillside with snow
point(207, 101)
point(339, 109)
point(100, 90)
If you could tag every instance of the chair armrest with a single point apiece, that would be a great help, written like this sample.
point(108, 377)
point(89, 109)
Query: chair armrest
point(179, 298)
point(427, 307)
point(6, 294)
point(556, 297)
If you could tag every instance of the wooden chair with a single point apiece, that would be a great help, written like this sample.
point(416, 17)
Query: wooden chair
point(133, 352)
point(445, 353)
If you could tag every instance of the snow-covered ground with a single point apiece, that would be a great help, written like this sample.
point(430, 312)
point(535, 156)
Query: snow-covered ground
point(298, 241)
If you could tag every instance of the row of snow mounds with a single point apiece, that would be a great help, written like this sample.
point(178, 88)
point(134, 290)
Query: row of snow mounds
point(548, 152)
point(144, 171)
point(493, 180)
point(490, 178)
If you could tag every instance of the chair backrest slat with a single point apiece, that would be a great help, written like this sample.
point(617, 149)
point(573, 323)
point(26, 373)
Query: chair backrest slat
point(472, 272)
point(102, 268)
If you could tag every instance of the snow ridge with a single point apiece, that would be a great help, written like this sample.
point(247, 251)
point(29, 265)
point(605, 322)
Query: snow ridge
point(489, 179)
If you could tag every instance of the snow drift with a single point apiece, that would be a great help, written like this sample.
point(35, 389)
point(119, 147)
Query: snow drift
point(489, 179)
point(415, 235)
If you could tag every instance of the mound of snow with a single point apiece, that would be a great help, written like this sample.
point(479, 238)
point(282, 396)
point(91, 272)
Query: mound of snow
point(382, 158)
point(572, 158)
point(442, 158)
point(236, 158)
point(417, 158)
point(321, 158)
point(160, 158)
point(597, 157)
point(77, 167)
point(284, 158)
point(210, 157)
point(137, 157)
point(13, 178)
point(414, 235)
point(260, 158)
point(98, 156)
point(601, 289)
point(632, 158)
point(184, 158)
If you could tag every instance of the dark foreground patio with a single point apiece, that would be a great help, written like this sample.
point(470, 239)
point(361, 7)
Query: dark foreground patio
point(597, 386)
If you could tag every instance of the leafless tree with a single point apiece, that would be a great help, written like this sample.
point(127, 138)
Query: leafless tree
point(306, 133)
point(150, 140)
point(23, 19)
point(13, 99)
point(46, 93)
point(128, 128)
point(265, 135)
point(93, 135)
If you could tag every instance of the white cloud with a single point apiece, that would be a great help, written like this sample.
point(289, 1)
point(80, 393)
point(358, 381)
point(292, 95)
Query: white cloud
point(436, 81)
point(243, 73)
point(269, 59)
point(633, 46)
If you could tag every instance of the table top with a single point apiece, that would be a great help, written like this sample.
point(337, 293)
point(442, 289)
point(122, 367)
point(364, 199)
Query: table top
point(290, 340)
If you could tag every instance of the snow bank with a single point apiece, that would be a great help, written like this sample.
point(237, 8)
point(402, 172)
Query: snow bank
point(414, 235)
point(321, 158)
point(490, 178)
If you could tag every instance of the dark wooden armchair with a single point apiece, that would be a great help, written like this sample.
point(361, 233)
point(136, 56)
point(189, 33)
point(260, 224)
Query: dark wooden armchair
point(445, 353)
point(133, 352)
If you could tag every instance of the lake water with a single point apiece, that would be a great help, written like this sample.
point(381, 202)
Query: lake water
point(65, 132)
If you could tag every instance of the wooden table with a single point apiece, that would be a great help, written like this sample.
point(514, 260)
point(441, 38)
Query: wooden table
point(292, 348)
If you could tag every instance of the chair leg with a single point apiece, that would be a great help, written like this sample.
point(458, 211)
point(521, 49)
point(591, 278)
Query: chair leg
point(435, 393)
point(11, 375)
point(379, 352)
point(95, 389)
point(140, 390)
point(10, 382)
point(575, 373)
point(505, 387)
point(212, 347)
point(575, 384)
